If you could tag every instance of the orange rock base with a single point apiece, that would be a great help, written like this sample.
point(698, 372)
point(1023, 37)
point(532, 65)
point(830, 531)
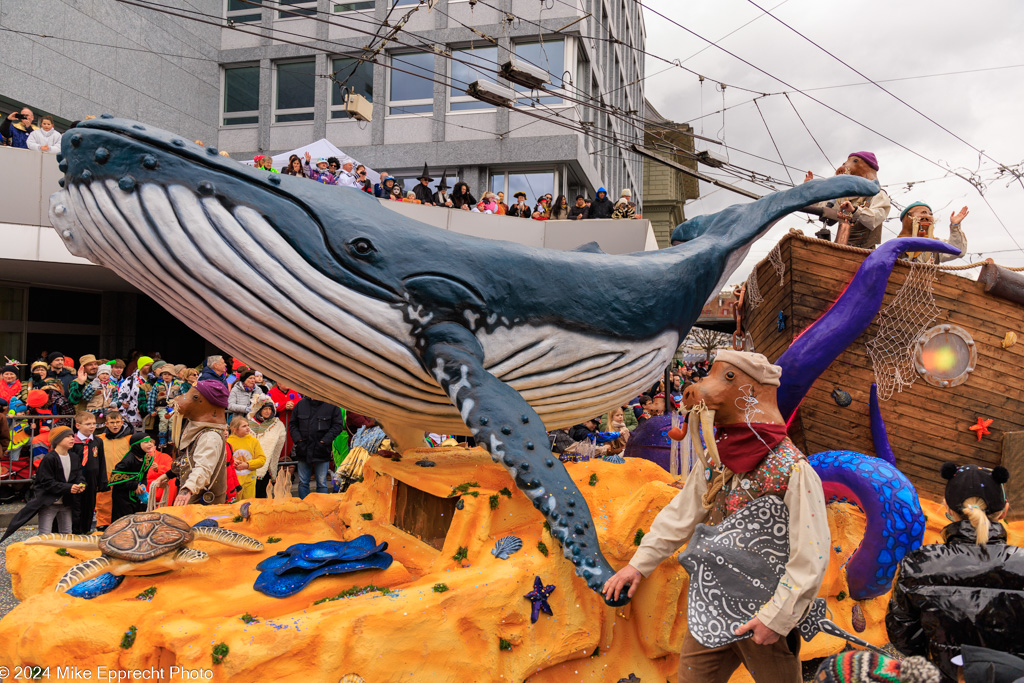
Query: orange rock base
point(417, 633)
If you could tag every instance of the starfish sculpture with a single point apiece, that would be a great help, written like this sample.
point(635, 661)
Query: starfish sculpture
point(538, 598)
point(981, 429)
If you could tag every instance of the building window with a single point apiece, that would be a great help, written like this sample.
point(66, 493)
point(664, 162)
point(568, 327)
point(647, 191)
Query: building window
point(241, 95)
point(548, 55)
point(296, 85)
point(366, 5)
point(407, 180)
point(412, 83)
point(358, 79)
point(534, 183)
point(242, 11)
point(292, 8)
point(469, 66)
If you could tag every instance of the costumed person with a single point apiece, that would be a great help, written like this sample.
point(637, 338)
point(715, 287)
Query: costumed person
point(864, 666)
point(128, 480)
point(134, 391)
point(321, 173)
point(520, 209)
point(624, 206)
point(58, 479)
point(441, 197)
point(116, 440)
point(248, 456)
point(161, 464)
point(100, 395)
point(201, 464)
point(866, 214)
point(918, 221)
point(422, 190)
point(89, 450)
point(271, 433)
point(158, 402)
point(969, 589)
point(749, 457)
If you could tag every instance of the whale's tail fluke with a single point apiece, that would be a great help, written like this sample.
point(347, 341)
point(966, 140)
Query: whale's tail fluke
point(734, 229)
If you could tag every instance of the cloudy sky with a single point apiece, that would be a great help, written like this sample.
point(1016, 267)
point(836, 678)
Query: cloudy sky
point(911, 40)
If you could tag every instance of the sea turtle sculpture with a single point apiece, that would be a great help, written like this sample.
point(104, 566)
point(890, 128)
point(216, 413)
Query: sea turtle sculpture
point(145, 543)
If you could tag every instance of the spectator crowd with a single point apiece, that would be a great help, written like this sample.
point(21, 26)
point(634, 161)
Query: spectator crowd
point(18, 129)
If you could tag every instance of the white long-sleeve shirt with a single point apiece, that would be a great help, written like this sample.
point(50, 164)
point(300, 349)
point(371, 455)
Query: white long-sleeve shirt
point(809, 542)
point(40, 137)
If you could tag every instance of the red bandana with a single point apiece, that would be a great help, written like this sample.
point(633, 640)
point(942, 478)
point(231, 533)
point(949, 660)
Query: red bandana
point(739, 447)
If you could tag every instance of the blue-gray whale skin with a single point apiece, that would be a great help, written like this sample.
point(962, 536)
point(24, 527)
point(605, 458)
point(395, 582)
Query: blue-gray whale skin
point(328, 291)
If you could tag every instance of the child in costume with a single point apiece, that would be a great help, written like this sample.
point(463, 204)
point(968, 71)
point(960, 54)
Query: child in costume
point(163, 389)
point(749, 457)
point(128, 480)
point(248, 456)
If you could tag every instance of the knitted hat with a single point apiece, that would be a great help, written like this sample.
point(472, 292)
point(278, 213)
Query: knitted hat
point(69, 362)
point(753, 364)
point(213, 391)
point(104, 370)
point(37, 398)
point(626, 193)
point(54, 356)
point(143, 361)
point(971, 481)
point(58, 434)
point(911, 206)
point(157, 364)
point(868, 158)
point(863, 666)
point(86, 359)
point(246, 375)
point(10, 368)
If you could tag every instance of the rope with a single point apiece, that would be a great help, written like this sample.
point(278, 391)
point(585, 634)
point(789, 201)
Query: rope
point(798, 234)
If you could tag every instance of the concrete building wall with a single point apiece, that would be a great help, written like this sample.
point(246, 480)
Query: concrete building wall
point(116, 58)
point(468, 144)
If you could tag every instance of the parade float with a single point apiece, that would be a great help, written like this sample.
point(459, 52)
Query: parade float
point(943, 350)
point(451, 564)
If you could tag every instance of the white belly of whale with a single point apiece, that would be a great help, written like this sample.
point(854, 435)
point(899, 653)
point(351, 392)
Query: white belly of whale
point(230, 276)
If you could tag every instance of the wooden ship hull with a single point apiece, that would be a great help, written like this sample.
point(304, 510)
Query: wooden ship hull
point(927, 425)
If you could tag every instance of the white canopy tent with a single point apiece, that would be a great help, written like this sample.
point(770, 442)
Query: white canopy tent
point(320, 148)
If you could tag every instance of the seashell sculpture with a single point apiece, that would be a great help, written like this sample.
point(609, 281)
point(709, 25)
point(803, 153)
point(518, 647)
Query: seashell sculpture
point(505, 546)
point(617, 459)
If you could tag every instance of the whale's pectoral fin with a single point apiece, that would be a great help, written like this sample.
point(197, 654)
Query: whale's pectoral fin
point(504, 423)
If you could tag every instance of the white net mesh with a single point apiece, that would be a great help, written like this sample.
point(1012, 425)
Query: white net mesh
point(899, 326)
point(775, 258)
point(752, 294)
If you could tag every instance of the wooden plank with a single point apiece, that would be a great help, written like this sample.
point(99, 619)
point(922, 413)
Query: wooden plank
point(1013, 460)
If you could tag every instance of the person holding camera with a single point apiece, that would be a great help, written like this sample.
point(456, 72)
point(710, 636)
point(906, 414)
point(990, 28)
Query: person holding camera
point(16, 128)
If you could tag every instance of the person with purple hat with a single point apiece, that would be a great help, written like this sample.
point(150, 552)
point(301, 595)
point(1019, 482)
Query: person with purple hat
point(866, 213)
point(201, 464)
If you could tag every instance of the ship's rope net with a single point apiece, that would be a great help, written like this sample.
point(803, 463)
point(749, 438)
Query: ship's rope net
point(775, 258)
point(752, 291)
point(899, 326)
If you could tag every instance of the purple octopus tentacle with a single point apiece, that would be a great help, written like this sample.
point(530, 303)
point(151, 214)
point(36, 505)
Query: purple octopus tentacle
point(879, 435)
point(828, 336)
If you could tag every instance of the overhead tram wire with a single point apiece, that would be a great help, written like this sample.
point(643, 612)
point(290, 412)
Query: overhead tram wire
point(217, 20)
point(774, 144)
point(880, 87)
point(836, 111)
point(804, 124)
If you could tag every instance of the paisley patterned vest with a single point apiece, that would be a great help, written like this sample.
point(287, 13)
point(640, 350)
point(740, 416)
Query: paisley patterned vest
point(771, 477)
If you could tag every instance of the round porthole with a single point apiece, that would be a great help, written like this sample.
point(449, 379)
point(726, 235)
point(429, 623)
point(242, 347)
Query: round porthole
point(945, 356)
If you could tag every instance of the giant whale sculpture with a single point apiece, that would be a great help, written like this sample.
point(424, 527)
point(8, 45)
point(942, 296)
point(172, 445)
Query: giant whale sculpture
point(421, 328)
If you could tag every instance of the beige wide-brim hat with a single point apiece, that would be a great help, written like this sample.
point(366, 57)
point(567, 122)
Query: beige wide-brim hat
point(87, 358)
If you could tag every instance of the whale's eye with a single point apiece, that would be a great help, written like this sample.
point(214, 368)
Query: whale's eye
point(361, 247)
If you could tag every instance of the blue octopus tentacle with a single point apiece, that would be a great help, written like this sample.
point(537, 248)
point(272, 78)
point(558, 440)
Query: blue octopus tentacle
point(895, 522)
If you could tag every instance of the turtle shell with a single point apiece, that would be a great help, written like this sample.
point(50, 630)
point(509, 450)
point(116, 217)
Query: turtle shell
point(144, 536)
